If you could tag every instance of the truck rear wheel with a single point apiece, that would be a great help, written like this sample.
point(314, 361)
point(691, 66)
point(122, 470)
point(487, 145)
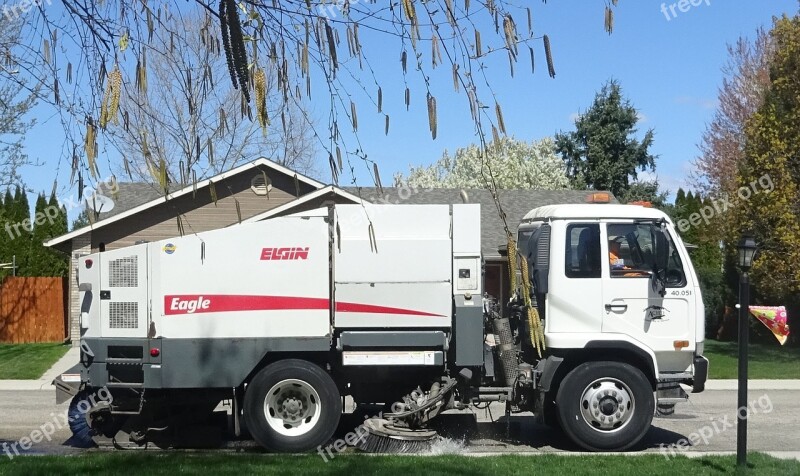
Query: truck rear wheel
point(605, 405)
point(292, 406)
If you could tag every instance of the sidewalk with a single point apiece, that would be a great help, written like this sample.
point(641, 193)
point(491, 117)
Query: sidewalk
point(44, 382)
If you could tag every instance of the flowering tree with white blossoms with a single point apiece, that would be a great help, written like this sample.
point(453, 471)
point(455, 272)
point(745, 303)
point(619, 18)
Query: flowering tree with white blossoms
point(512, 163)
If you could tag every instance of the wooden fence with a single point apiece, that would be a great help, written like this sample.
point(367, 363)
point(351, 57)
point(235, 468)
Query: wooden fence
point(33, 310)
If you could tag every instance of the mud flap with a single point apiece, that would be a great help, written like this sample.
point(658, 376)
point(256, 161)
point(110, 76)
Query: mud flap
point(69, 383)
point(700, 374)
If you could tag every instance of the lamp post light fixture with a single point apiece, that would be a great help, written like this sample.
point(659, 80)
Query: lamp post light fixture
point(747, 253)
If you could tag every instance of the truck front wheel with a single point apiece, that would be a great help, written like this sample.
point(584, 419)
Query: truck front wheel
point(605, 405)
point(292, 406)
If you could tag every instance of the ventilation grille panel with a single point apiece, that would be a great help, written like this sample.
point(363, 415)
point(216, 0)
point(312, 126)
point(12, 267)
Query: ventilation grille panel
point(124, 272)
point(123, 315)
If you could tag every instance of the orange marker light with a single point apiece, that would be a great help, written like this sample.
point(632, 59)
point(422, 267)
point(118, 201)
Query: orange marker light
point(680, 344)
point(599, 197)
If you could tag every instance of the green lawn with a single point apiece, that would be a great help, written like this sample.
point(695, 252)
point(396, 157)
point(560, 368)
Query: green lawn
point(28, 361)
point(767, 361)
point(238, 464)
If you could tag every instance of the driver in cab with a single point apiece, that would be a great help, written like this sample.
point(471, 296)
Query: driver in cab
point(618, 263)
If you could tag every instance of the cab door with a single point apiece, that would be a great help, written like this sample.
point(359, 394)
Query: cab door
point(632, 302)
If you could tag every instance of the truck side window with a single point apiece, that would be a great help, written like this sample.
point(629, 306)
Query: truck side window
point(630, 250)
point(523, 238)
point(583, 251)
point(631, 254)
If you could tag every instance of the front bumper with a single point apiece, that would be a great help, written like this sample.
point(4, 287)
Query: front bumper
point(700, 374)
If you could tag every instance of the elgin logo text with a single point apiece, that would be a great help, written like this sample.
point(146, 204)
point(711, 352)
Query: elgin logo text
point(284, 254)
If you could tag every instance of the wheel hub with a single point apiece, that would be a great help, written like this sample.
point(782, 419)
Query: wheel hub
point(607, 405)
point(292, 407)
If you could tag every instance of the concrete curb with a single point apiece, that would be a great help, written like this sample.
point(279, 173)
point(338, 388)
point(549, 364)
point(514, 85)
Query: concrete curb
point(754, 385)
point(17, 385)
point(689, 454)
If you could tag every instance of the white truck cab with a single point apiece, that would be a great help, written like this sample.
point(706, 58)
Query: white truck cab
point(617, 276)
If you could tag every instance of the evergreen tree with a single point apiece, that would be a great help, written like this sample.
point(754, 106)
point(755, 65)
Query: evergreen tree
point(60, 225)
point(38, 258)
point(645, 191)
point(58, 263)
point(5, 235)
point(81, 220)
point(603, 152)
point(18, 230)
point(707, 258)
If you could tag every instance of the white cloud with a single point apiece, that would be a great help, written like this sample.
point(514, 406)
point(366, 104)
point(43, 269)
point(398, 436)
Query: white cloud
point(702, 103)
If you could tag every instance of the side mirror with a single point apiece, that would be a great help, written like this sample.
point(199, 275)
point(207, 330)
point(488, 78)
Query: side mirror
point(662, 253)
point(662, 250)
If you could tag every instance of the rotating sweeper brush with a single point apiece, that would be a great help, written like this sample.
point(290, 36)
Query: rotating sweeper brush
point(403, 431)
point(383, 436)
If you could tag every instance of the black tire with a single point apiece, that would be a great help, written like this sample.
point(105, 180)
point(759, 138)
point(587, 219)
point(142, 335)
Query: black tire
point(82, 433)
point(318, 429)
point(623, 421)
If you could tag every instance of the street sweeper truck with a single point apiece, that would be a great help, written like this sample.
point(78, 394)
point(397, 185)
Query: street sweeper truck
point(284, 319)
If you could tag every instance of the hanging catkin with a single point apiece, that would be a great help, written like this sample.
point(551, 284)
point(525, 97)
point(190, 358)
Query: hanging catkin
point(234, 45)
point(512, 264)
point(534, 322)
point(260, 80)
point(548, 53)
point(89, 145)
point(109, 108)
point(226, 42)
point(432, 119)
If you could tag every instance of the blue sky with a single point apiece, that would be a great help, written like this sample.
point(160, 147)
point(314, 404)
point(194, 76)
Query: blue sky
point(669, 69)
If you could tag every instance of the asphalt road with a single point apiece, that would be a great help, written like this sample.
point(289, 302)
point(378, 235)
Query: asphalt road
point(705, 424)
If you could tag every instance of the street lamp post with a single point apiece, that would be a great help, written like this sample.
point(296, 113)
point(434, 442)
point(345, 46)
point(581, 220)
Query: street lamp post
point(747, 253)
